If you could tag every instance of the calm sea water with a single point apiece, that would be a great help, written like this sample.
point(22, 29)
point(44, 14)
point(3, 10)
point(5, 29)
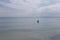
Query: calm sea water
point(29, 29)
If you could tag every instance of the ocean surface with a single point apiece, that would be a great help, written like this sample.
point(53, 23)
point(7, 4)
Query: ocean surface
point(15, 28)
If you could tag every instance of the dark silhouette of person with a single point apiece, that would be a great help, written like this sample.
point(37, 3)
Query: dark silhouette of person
point(37, 21)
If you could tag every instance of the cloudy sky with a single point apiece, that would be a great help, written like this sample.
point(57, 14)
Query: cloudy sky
point(29, 8)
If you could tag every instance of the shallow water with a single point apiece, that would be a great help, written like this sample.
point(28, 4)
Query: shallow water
point(29, 29)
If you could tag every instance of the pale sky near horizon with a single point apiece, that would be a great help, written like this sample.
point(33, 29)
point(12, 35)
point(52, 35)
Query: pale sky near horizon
point(29, 8)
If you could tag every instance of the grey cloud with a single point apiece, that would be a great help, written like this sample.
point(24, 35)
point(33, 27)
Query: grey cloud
point(26, 10)
point(27, 1)
point(7, 1)
point(47, 3)
point(7, 8)
point(50, 13)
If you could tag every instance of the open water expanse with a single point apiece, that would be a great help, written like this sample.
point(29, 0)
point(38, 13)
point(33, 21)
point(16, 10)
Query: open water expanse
point(15, 28)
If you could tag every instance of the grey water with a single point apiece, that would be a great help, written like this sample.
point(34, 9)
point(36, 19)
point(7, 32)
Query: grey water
point(15, 28)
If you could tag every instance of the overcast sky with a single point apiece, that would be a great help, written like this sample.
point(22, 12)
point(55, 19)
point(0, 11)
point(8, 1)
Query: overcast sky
point(29, 8)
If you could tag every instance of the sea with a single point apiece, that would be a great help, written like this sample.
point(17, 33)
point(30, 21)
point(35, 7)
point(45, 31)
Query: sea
point(27, 28)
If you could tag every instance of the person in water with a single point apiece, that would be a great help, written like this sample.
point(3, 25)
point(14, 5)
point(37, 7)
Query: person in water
point(37, 21)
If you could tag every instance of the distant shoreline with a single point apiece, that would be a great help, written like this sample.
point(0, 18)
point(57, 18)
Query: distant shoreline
point(29, 17)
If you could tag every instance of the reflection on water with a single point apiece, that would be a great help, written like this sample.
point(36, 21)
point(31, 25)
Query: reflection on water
point(29, 29)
